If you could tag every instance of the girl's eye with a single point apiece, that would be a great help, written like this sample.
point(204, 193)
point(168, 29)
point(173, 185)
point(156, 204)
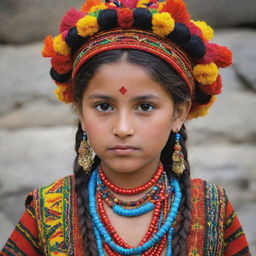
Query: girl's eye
point(102, 107)
point(146, 107)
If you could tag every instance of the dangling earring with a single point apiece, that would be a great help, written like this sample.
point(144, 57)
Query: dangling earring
point(178, 165)
point(85, 157)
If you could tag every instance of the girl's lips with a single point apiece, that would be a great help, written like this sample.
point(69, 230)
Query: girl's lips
point(123, 150)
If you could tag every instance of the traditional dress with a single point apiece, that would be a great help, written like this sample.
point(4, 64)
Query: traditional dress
point(50, 227)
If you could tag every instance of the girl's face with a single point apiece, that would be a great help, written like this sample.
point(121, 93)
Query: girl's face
point(128, 128)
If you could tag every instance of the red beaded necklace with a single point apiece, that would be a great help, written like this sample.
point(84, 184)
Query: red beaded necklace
point(132, 191)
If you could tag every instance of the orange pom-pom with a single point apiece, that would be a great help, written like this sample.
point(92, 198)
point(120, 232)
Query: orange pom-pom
point(223, 57)
point(198, 110)
point(89, 4)
point(48, 50)
point(61, 64)
point(178, 10)
point(212, 89)
point(64, 93)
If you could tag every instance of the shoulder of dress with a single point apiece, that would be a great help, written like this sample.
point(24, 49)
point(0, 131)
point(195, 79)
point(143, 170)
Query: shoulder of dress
point(55, 187)
point(205, 187)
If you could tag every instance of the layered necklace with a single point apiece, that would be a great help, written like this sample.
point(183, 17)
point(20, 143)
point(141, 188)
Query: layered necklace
point(162, 197)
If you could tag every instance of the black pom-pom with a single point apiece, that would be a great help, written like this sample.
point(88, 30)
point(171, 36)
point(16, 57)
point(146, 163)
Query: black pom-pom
point(107, 19)
point(73, 40)
point(195, 47)
point(201, 98)
point(61, 78)
point(142, 18)
point(180, 34)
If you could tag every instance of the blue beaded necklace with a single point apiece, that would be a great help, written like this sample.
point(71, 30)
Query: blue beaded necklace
point(101, 232)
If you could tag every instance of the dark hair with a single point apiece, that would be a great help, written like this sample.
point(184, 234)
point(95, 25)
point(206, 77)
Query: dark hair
point(163, 73)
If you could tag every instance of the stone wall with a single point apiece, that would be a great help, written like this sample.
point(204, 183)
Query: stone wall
point(37, 132)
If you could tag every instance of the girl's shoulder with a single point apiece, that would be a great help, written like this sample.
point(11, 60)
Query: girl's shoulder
point(207, 195)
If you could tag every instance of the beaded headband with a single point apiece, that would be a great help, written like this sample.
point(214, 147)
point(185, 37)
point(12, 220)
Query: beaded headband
point(163, 29)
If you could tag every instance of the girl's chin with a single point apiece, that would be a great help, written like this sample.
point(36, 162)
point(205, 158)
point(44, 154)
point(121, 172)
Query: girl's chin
point(122, 165)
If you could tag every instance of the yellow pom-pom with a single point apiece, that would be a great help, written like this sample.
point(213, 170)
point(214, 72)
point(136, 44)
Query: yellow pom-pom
point(100, 6)
point(142, 3)
point(63, 93)
point(206, 73)
point(87, 26)
point(60, 46)
point(206, 30)
point(162, 24)
point(200, 110)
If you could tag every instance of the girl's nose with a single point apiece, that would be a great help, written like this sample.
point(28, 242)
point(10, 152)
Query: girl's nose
point(123, 126)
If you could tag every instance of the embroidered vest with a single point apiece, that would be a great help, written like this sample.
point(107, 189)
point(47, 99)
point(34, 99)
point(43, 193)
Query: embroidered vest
point(57, 219)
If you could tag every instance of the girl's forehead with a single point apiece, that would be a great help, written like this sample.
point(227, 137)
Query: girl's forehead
point(123, 79)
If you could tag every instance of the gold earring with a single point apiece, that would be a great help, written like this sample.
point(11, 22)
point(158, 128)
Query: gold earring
point(85, 154)
point(178, 165)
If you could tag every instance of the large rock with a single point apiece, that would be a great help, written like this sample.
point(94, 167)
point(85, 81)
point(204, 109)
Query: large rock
point(40, 112)
point(224, 13)
point(242, 43)
point(24, 76)
point(30, 20)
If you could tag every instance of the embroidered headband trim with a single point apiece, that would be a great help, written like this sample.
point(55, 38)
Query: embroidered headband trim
point(139, 40)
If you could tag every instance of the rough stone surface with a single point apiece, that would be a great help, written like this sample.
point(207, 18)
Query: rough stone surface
point(29, 154)
point(24, 76)
point(30, 20)
point(40, 112)
point(242, 43)
point(223, 13)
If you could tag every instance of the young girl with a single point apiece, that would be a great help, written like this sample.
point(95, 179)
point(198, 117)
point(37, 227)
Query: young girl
point(135, 71)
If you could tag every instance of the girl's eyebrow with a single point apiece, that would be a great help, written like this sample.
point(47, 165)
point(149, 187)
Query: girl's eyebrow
point(107, 97)
point(100, 96)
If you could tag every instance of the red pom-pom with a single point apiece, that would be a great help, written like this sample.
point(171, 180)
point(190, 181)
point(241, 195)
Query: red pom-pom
point(178, 10)
point(195, 30)
point(61, 64)
point(223, 57)
point(125, 17)
point(210, 54)
point(212, 89)
point(70, 19)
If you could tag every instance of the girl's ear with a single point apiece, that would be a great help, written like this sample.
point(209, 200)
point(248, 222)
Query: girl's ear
point(180, 114)
point(78, 111)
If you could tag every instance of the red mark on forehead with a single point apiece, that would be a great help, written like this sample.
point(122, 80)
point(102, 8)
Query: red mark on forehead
point(123, 90)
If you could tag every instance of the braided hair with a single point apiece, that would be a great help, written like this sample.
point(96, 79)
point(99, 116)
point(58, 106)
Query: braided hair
point(177, 89)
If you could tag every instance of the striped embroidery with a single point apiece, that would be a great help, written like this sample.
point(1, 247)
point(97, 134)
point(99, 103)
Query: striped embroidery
point(54, 221)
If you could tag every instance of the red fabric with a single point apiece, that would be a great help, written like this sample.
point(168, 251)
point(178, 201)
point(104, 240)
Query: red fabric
point(234, 233)
point(24, 237)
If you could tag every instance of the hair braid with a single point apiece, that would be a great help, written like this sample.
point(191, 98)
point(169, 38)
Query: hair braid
point(81, 186)
point(179, 243)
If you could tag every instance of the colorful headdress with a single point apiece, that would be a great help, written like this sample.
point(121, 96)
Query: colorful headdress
point(164, 29)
